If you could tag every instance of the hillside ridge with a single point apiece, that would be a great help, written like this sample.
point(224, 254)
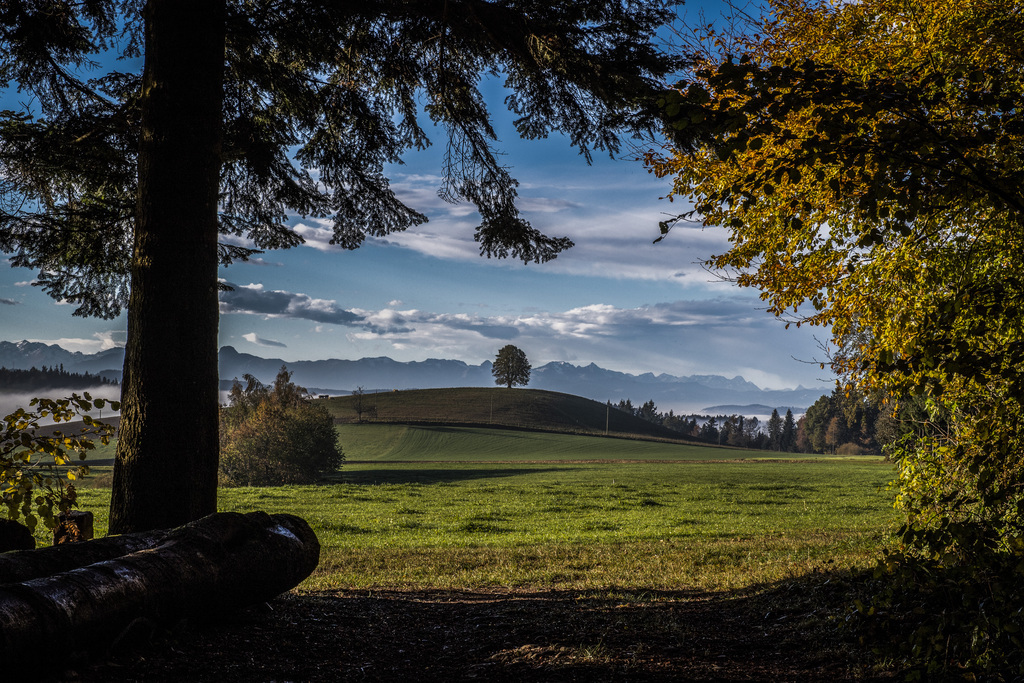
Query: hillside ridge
point(526, 409)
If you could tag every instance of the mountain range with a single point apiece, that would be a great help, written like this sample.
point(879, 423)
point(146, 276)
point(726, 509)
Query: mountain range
point(690, 394)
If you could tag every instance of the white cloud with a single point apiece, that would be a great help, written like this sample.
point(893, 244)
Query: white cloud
point(254, 299)
point(238, 241)
point(317, 236)
point(546, 205)
point(101, 341)
point(111, 339)
point(254, 338)
point(258, 261)
point(451, 241)
point(613, 223)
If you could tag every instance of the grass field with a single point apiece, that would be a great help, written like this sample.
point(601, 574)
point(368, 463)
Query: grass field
point(516, 508)
point(370, 442)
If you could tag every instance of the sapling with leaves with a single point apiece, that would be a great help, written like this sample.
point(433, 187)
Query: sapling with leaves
point(39, 464)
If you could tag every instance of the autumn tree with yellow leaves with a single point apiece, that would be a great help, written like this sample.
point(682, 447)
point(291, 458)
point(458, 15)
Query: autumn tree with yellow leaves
point(867, 160)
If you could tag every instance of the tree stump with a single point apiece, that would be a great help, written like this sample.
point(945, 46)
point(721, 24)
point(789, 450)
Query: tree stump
point(73, 526)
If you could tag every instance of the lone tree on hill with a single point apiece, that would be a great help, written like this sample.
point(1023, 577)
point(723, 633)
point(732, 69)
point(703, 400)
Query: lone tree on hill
point(118, 188)
point(511, 367)
point(361, 404)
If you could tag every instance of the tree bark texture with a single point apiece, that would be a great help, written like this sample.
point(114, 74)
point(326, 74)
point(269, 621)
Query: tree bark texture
point(216, 564)
point(25, 565)
point(165, 472)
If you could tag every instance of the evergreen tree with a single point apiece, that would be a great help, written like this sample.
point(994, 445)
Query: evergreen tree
point(788, 432)
point(648, 411)
point(117, 188)
point(775, 427)
point(709, 430)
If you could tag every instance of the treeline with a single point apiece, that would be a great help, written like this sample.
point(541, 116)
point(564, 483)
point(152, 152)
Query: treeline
point(779, 433)
point(841, 423)
point(55, 377)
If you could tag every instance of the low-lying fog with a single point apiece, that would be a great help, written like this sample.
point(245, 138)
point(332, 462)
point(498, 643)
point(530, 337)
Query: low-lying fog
point(11, 401)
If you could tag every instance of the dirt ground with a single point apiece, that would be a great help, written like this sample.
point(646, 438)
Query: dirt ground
point(784, 633)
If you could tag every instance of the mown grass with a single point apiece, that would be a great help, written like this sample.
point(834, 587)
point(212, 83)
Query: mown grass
point(424, 443)
point(580, 525)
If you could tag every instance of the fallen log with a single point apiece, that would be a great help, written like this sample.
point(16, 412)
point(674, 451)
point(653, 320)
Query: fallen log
point(24, 565)
point(214, 565)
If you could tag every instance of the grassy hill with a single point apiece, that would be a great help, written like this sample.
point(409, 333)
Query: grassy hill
point(531, 409)
point(440, 443)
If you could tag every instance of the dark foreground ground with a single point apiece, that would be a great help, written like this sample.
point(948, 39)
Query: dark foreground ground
point(783, 633)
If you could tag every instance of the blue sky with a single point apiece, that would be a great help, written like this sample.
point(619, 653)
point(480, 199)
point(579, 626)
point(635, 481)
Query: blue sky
point(615, 299)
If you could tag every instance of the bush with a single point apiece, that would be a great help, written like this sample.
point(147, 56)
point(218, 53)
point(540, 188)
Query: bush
point(851, 449)
point(36, 470)
point(274, 436)
point(949, 603)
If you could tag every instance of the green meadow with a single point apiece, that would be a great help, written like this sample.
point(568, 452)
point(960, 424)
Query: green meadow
point(449, 507)
point(381, 442)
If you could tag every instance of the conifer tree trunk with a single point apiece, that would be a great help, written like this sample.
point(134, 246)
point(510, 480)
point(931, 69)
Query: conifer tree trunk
point(165, 473)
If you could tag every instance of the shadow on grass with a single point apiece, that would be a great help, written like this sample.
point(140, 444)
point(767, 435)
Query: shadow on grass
point(431, 476)
point(783, 632)
point(506, 432)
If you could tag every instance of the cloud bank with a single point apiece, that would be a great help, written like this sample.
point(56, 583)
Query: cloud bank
point(100, 341)
point(719, 335)
point(255, 299)
point(613, 223)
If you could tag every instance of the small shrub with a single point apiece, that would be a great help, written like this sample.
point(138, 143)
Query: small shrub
point(273, 436)
point(851, 449)
point(32, 482)
point(949, 600)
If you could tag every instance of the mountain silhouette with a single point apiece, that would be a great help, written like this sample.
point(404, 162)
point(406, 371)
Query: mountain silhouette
point(691, 394)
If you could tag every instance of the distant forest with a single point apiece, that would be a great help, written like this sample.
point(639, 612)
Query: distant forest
point(843, 423)
point(56, 377)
